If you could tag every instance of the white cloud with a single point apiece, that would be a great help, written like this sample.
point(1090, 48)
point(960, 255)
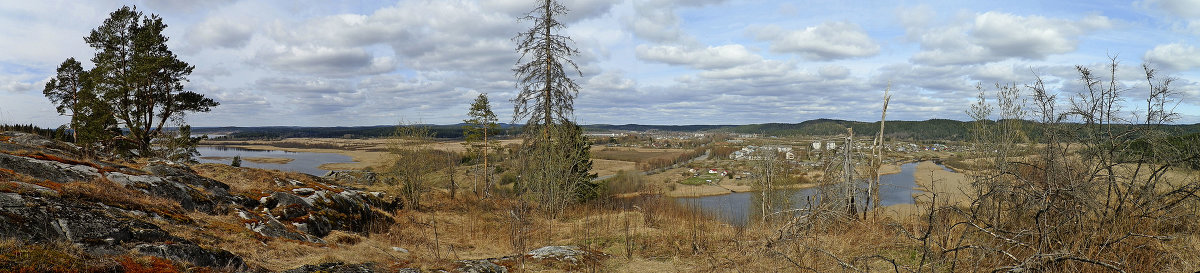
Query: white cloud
point(1174, 55)
point(711, 57)
point(996, 36)
point(824, 42)
point(764, 69)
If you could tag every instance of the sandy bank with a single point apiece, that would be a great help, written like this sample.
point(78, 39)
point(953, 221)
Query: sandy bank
point(950, 187)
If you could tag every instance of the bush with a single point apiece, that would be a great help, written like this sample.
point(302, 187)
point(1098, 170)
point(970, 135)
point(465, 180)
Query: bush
point(625, 182)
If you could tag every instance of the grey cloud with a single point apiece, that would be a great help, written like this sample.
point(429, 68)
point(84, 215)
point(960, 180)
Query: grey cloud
point(609, 81)
point(1180, 8)
point(16, 84)
point(944, 80)
point(655, 24)
point(656, 21)
point(834, 71)
point(824, 42)
point(220, 32)
point(325, 60)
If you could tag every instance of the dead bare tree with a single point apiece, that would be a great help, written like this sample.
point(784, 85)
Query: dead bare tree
point(1093, 194)
point(877, 155)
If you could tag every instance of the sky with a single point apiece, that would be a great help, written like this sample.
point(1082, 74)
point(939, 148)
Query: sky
point(354, 63)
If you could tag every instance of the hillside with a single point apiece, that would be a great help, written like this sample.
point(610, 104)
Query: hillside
point(61, 211)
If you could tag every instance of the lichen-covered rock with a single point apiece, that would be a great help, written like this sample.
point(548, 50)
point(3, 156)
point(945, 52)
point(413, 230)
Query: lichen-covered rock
point(98, 229)
point(193, 254)
point(569, 257)
point(353, 177)
point(560, 253)
point(480, 266)
point(267, 225)
point(325, 210)
point(55, 171)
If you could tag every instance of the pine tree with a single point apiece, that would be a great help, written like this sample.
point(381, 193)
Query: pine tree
point(65, 88)
point(480, 127)
point(140, 78)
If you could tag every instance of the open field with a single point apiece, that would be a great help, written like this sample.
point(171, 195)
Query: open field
point(605, 167)
point(639, 155)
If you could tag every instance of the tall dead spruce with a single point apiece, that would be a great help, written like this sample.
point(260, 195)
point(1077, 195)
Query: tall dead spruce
point(555, 160)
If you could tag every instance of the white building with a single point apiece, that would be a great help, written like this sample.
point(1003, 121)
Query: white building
point(828, 145)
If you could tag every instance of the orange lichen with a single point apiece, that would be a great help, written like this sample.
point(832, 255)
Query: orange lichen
point(148, 264)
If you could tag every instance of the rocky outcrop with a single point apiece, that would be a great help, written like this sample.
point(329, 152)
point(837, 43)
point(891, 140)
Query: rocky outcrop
point(49, 192)
point(350, 177)
point(338, 267)
point(99, 229)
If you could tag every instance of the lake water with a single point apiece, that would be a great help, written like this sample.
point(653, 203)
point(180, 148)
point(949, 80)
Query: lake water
point(736, 208)
point(302, 162)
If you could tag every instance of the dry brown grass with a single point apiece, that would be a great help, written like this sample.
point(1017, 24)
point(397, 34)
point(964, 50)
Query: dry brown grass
point(254, 183)
point(103, 191)
point(638, 155)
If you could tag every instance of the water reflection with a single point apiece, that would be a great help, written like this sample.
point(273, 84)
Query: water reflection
point(302, 162)
point(739, 208)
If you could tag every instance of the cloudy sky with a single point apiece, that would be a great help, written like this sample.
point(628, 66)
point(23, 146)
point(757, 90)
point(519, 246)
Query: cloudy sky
point(346, 63)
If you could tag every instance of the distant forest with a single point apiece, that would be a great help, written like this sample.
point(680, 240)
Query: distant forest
point(933, 129)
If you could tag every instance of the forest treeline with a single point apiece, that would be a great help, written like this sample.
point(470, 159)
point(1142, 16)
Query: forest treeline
point(933, 129)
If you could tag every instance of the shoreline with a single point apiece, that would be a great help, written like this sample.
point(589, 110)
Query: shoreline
point(361, 159)
point(264, 160)
point(689, 191)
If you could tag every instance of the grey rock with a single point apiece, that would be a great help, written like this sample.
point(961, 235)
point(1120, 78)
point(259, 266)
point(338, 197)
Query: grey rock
point(353, 177)
point(99, 229)
point(339, 267)
point(46, 169)
point(303, 191)
point(8, 199)
point(480, 266)
point(193, 254)
point(561, 253)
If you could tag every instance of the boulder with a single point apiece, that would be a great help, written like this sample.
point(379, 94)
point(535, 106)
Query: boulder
point(560, 253)
point(480, 266)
